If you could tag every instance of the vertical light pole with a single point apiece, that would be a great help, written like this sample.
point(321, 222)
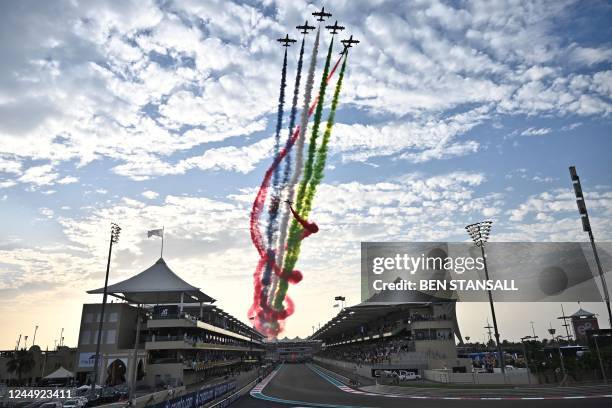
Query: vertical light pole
point(34, 338)
point(603, 370)
point(479, 232)
point(525, 353)
point(114, 238)
point(552, 331)
point(134, 373)
point(586, 227)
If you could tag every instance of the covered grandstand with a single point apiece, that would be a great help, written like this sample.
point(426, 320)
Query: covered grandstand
point(374, 336)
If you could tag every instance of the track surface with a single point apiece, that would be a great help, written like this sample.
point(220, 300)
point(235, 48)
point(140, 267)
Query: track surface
point(297, 385)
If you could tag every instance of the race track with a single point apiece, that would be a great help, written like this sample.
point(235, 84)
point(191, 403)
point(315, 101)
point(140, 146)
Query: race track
point(300, 385)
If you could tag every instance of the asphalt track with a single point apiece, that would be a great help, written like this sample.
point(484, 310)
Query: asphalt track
point(298, 385)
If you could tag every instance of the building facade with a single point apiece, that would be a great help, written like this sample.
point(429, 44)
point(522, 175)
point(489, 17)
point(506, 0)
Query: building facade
point(162, 332)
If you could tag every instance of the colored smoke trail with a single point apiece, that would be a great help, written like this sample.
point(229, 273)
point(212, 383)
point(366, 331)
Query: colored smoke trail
point(295, 231)
point(269, 320)
point(287, 165)
point(312, 142)
point(319, 166)
point(275, 199)
point(299, 156)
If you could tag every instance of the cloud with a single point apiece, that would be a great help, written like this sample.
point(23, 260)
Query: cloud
point(39, 175)
point(159, 87)
point(151, 195)
point(9, 166)
point(590, 55)
point(68, 180)
point(536, 131)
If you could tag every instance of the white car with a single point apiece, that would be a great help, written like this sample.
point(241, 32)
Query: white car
point(73, 403)
point(408, 376)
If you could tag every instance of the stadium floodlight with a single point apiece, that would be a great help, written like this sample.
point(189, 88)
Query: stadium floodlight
point(114, 238)
point(479, 232)
point(586, 227)
point(115, 231)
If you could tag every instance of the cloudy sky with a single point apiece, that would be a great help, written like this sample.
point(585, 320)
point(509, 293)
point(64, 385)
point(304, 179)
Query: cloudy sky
point(151, 113)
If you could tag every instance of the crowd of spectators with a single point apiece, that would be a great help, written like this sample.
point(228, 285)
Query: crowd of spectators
point(378, 352)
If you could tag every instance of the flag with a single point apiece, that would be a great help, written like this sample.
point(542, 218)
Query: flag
point(155, 232)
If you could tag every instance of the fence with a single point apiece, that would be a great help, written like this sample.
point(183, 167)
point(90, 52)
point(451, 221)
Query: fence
point(513, 377)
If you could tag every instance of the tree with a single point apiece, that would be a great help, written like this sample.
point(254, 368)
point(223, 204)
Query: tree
point(21, 362)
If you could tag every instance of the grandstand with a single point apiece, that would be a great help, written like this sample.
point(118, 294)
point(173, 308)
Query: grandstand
point(370, 337)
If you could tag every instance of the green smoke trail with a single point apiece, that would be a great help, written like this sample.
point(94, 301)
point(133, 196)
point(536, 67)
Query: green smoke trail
point(319, 165)
point(309, 190)
point(312, 142)
point(291, 254)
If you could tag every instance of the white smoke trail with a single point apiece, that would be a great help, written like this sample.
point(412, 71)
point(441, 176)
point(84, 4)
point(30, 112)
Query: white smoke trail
point(299, 162)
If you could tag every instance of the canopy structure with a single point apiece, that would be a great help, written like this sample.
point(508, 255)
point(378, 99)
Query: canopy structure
point(156, 285)
point(351, 318)
point(60, 373)
point(581, 313)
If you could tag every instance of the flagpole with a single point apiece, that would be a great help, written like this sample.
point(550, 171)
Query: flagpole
point(161, 254)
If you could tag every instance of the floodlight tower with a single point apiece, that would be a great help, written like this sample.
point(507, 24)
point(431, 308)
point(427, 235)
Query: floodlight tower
point(114, 238)
point(586, 227)
point(479, 232)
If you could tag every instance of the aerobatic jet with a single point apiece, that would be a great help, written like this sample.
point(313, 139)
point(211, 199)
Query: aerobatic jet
point(286, 41)
point(305, 28)
point(321, 15)
point(349, 43)
point(335, 28)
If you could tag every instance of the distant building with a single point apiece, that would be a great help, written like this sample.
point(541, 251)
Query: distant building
point(294, 350)
point(45, 362)
point(182, 337)
point(116, 343)
point(582, 322)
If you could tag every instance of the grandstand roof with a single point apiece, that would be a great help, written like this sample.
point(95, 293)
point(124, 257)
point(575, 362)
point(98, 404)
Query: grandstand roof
point(156, 284)
point(355, 316)
point(582, 313)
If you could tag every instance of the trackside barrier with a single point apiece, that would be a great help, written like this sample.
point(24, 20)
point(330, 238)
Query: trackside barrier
point(510, 378)
point(232, 398)
point(198, 399)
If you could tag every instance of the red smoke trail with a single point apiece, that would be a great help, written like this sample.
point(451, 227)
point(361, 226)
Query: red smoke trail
point(266, 319)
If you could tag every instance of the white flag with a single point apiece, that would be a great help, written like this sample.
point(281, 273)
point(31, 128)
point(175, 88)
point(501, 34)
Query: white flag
point(158, 232)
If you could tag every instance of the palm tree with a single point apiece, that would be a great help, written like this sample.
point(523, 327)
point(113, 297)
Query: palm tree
point(21, 362)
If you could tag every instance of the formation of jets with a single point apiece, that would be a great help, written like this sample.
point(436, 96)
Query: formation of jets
point(334, 29)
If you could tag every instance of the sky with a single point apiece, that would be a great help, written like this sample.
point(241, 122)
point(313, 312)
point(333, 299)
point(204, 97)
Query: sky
point(162, 113)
